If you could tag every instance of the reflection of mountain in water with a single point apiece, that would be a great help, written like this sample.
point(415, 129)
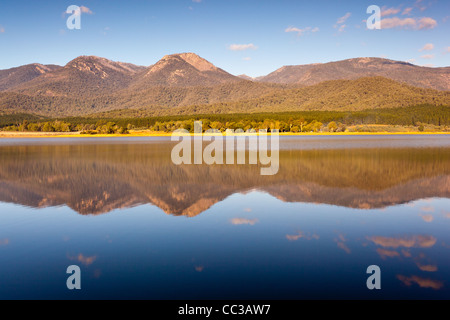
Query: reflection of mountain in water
point(98, 178)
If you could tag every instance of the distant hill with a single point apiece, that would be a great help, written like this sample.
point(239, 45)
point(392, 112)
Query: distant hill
point(178, 96)
point(83, 76)
point(306, 75)
point(161, 99)
point(335, 95)
point(13, 77)
point(240, 97)
point(245, 77)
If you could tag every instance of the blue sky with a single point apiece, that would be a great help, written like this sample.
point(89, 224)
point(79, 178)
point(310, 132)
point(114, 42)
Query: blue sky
point(254, 37)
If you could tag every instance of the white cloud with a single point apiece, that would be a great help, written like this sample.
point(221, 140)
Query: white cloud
point(395, 22)
point(427, 47)
point(428, 56)
point(85, 10)
point(387, 12)
point(294, 29)
point(2, 30)
point(247, 59)
point(340, 23)
point(242, 47)
point(427, 23)
point(409, 23)
point(447, 50)
point(407, 11)
point(301, 32)
point(422, 7)
point(342, 20)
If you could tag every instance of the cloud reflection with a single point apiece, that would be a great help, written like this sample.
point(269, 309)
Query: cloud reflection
point(421, 282)
point(406, 242)
point(302, 235)
point(341, 243)
point(241, 221)
point(427, 217)
point(344, 247)
point(427, 267)
point(406, 253)
point(427, 209)
point(87, 261)
point(384, 253)
point(199, 268)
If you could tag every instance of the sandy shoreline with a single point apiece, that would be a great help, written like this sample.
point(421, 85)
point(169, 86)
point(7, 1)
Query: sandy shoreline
point(6, 134)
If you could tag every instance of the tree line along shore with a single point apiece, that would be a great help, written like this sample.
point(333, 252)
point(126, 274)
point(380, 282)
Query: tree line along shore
point(422, 118)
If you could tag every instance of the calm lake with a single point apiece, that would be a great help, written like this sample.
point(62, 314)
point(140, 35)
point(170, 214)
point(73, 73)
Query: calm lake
point(141, 227)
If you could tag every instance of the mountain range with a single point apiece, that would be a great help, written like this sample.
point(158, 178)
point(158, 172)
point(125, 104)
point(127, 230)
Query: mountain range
point(351, 69)
point(187, 83)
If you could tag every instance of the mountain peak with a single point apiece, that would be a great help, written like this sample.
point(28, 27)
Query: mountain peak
point(90, 64)
point(198, 62)
point(84, 59)
point(101, 66)
point(185, 69)
point(193, 59)
point(40, 68)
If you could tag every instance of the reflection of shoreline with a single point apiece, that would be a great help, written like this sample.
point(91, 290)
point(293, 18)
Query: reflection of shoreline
point(8, 134)
point(98, 178)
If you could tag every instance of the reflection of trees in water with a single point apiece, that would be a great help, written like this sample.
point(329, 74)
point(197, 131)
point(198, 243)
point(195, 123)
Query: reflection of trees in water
point(97, 178)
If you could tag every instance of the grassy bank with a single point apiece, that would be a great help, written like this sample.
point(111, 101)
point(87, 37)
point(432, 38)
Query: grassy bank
point(149, 133)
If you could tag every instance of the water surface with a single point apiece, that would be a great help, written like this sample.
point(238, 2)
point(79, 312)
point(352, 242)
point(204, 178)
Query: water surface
point(142, 227)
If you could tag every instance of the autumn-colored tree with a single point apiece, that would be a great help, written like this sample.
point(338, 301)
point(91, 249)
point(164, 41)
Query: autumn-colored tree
point(332, 126)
